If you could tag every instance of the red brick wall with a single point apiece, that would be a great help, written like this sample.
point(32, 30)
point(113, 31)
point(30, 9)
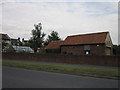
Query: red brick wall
point(73, 59)
point(79, 50)
point(75, 50)
point(98, 50)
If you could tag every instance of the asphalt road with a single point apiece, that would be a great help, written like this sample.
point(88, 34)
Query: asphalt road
point(23, 78)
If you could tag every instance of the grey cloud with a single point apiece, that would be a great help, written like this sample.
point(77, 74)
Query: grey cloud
point(54, 16)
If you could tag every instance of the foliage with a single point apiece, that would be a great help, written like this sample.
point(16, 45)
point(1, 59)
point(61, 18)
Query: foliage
point(37, 38)
point(52, 37)
point(26, 44)
point(10, 49)
point(42, 50)
point(4, 45)
point(116, 50)
point(19, 43)
point(53, 50)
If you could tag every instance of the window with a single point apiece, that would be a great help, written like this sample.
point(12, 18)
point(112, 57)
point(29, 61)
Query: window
point(87, 52)
point(98, 45)
point(87, 49)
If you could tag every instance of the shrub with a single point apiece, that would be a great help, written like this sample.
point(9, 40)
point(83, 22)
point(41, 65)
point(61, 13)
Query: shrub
point(53, 50)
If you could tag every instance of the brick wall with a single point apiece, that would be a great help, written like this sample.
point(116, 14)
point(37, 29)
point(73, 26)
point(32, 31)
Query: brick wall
point(79, 49)
point(98, 50)
point(75, 50)
point(72, 59)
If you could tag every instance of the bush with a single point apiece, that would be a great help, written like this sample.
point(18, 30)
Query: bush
point(53, 50)
point(42, 50)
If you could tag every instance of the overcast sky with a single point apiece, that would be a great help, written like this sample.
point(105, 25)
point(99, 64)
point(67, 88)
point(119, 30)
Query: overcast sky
point(67, 18)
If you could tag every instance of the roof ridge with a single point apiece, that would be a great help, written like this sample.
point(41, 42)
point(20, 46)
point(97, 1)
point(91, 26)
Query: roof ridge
point(3, 34)
point(56, 41)
point(88, 34)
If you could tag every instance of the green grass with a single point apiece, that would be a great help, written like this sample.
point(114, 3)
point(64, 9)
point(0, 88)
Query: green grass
point(0, 62)
point(98, 72)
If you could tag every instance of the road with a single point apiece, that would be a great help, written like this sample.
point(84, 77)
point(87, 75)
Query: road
point(23, 78)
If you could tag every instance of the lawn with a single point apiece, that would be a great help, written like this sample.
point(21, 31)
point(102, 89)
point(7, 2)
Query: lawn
point(96, 72)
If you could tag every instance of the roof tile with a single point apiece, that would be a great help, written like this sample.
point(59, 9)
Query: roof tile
point(92, 38)
point(54, 45)
point(5, 37)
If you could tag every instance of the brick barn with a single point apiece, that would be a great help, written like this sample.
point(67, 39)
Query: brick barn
point(54, 47)
point(85, 44)
point(88, 44)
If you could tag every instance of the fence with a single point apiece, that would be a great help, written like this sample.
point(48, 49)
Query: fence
point(72, 59)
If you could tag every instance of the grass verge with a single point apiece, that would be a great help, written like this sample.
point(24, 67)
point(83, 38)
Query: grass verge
point(96, 72)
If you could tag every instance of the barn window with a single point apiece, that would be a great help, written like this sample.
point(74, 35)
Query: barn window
point(87, 49)
point(87, 52)
point(98, 45)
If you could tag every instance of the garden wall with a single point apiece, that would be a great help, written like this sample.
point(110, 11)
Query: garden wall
point(72, 59)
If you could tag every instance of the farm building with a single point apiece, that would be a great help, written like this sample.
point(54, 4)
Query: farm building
point(85, 44)
point(54, 47)
point(88, 44)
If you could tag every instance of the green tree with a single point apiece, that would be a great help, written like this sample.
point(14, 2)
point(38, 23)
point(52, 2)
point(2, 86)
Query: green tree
point(116, 49)
point(52, 37)
point(37, 39)
point(4, 45)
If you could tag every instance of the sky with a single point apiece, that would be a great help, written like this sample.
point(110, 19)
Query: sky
point(67, 18)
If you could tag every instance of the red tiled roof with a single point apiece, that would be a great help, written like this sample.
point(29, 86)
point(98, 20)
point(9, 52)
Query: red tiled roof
point(92, 38)
point(5, 37)
point(54, 45)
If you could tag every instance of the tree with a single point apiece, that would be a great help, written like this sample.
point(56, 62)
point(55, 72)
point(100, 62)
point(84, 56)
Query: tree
point(4, 45)
point(52, 37)
point(116, 49)
point(19, 43)
point(37, 39)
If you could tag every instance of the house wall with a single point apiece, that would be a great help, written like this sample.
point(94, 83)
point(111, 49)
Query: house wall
point(108, 41)
point(98, 49)
point(75, 50)
point(108, 51)
point(109, 45)
point(79, 49)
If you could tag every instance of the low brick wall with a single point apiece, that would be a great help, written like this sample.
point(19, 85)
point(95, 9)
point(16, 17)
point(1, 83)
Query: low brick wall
point(72, 59)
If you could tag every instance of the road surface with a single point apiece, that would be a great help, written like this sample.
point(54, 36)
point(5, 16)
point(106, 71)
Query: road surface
point(23, 78)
